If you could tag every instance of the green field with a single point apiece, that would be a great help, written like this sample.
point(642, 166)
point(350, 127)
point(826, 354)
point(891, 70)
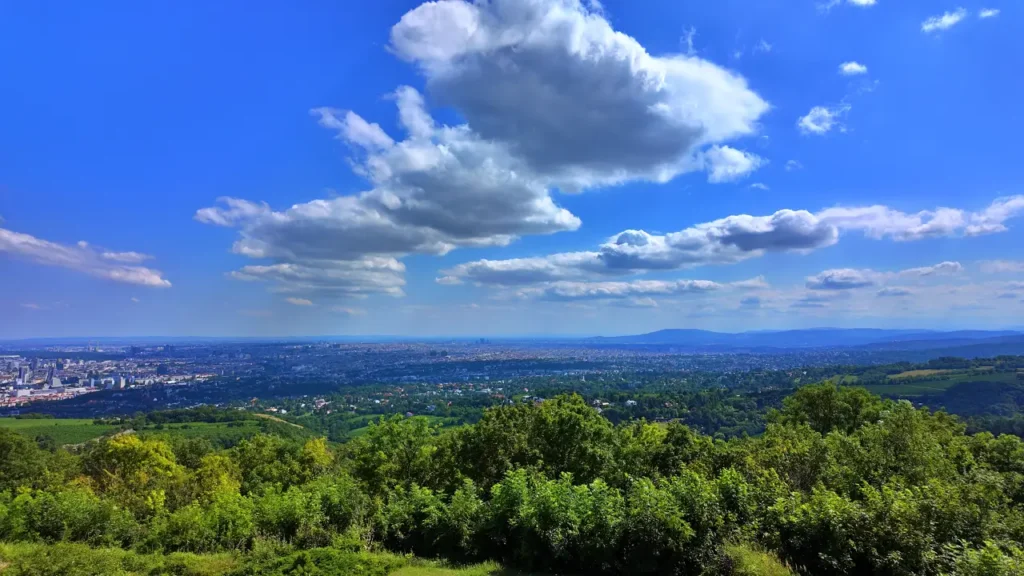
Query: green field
point(917, 374)
point(62, 430)
point(78, 430)
point(218, 433)
point(928, 386)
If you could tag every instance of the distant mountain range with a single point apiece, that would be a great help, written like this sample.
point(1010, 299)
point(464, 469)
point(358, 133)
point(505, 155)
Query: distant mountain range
point(864, 338)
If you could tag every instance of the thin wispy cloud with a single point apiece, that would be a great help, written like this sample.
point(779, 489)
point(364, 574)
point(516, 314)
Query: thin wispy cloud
point(822, 120)
point(81, 257)
point(826, 6)
point(944, 21)
point(988, 13)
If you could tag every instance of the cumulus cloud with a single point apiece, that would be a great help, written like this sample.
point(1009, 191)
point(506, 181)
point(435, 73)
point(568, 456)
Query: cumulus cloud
point(725, 164)
point(850, 279)
point(579, 102)
point(82, 257)
point(944, 21)
point(991, 219)
point(522, 271)
point(821, 120)
point(355, 278)
point(737, 238)
point(842, 279)
point(852, 69)
point(616, 290)
point(440, 189)
point(553, 98)
point(988, 13)
point(724, 241)
point(884, 222)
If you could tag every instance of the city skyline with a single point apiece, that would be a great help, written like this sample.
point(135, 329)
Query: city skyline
point(508, 168)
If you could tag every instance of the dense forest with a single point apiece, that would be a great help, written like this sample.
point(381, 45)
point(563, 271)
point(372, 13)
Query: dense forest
point(840, 482)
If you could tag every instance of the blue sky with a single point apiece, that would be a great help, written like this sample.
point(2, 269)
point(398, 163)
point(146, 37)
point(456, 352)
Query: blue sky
point(508, 167)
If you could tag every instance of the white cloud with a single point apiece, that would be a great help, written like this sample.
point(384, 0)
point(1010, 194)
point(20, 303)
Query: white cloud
point(852, 68)
point(135, 300)
point(31, 306)
point(988, 13)
point(723, 241)
point(828, 5)
point(884, 222)
point(842, 279)
point(942, 268)
point(792, 165)
point(943, 22)
point(760, 186)
point(849, 279)
point(82, 257)
point(820, 120)
point(733, 239)
point(523, 271)
point(763, 46)
point(616, 290)
point(299, 301)
point(553, 98)
point(726, 164)
point(1003, 266)
point(990, 220)
point(894, 292)
point(758, 283)
point(126, 257)
point(577, 101)
point(354, 278)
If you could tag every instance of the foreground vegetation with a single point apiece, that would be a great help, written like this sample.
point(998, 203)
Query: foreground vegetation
point(841, 482)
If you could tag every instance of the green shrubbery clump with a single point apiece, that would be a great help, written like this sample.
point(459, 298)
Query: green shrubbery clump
point(840, 483)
